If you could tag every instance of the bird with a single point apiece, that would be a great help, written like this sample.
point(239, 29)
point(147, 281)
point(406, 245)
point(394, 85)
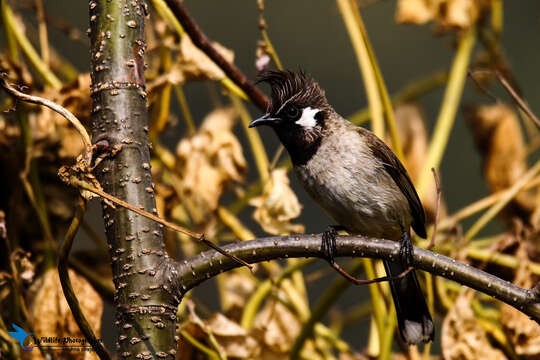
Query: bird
point(356, 179)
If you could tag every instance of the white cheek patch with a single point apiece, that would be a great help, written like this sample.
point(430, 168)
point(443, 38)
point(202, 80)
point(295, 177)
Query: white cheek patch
point(307, 120)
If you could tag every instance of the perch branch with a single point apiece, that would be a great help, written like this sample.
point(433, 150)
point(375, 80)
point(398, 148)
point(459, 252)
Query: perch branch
point(202, 42)
point(190, 273)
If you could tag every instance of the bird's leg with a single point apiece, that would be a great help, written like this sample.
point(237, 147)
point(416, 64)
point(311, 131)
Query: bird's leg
point(405, 247)
point(328, 246)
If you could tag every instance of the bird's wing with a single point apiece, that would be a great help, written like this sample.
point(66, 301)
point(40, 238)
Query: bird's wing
point(397, 171)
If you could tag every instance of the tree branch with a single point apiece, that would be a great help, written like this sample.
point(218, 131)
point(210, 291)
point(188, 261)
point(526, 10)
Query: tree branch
point(188, 273)
point(202, 42)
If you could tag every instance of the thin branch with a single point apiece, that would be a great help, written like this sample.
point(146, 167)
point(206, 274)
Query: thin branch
point(78, 183)
point(202, 42)
point(208, 264)
point(518, 100)
point(54, 107)
point(356, 281)
point(69, 294)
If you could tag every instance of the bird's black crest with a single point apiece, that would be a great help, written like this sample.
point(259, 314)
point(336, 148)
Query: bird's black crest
point(293, 86)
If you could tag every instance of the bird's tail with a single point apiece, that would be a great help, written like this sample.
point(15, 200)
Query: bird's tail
point(414, 321)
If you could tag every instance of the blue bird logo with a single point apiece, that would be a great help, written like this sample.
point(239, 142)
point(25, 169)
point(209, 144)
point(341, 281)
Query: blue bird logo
point(20, 335)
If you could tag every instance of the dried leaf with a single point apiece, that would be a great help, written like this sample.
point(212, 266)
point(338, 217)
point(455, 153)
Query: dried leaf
point(193, 64)
point(414, 11)
point(25, 267)
point(237, 289)
point(51, 316)
point(277, 206)
point(277, 328)
point(498, 136)
point(233, 340)
point(522, 332)
point(412, 133)
point(50, 130)
point(462, 338)
point(232, 337)
point(450, 14)
point(208, 161)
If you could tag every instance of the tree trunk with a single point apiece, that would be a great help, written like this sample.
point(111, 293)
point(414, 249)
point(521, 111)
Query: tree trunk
point(146, 315)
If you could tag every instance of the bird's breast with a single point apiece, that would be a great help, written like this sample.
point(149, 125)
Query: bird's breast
point(346, 180)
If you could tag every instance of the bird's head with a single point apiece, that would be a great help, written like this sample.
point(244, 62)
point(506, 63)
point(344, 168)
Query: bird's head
point(297, 111)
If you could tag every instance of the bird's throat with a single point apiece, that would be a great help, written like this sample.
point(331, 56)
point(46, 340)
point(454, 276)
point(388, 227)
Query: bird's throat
point(301, 145)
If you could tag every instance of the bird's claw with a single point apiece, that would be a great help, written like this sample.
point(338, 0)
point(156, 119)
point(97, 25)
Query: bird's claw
point(328, 246)
point(406, 249)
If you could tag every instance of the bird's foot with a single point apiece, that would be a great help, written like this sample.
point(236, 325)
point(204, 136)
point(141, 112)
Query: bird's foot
point(328, 246)
point(406, 249)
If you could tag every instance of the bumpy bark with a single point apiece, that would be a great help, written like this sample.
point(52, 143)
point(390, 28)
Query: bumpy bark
point(145, 313)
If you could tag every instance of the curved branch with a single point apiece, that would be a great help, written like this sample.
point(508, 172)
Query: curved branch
point(69, 293)
point(54, 107)
point(187, 274)
point(202, 42)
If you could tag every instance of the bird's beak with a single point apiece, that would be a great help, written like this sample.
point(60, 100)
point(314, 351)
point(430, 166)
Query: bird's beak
point(266, 119)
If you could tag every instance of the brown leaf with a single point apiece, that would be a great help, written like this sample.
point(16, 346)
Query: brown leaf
point(462, 338)
point(195, 64)
point(414, 142)
point(237, 288)
point(232, 337)
point(233, 340)
point(276, 327)
point(497, 133)
point(450, 14)
point(51, 316)
point(209, 161)
point(277, 206)
point(414, 11)
point(25, 267)
point(50, 130)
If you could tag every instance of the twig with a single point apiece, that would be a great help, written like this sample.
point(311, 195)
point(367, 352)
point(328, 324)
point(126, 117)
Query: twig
point(209, 264)
point(504, 200)
point(55, 107)
point(69, 294)
point(76, 182)
point(472, 74)
point(202, 42)
point(517, 99)
point(356, 281)
point(437, 208)
point(276, 156)
point(269, 48)
point(481, 204)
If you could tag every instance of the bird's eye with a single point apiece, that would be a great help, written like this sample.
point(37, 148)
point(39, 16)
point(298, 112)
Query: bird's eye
point(292, 112)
